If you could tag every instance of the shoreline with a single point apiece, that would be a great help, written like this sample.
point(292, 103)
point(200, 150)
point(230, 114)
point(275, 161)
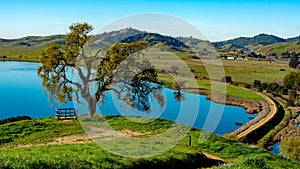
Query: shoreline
point(251, 106)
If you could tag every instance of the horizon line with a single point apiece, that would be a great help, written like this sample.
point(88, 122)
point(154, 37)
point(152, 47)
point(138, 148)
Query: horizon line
point(61, 34)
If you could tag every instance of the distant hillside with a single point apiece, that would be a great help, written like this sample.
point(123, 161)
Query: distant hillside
point(109, 38)
point(293, 39)
point(196, 44)
point(32, 41)
point(243, 42)
point(30, 47)
point(154, 38)
point(279, 48)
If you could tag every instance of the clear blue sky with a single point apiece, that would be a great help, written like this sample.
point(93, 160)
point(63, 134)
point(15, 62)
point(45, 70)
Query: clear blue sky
point(216, 19)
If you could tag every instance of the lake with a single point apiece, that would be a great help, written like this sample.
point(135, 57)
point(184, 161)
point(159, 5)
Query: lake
point(22, 94)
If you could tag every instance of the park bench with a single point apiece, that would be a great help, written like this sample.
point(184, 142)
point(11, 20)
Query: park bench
point(66, 113)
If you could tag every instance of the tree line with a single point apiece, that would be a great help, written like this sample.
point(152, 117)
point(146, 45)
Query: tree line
point(291, 84)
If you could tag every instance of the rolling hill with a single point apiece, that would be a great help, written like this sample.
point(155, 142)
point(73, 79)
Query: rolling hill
point(262, 43)
point(279, 48)
point(242, 42)
point(30, 47)
point(187, 47)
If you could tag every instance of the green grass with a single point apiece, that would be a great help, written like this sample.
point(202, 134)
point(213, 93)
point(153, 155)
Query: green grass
point(90, 155)
point(25, 52)
point(244, 71)
point(36, 131)
point(279, 48)
point(205, 87)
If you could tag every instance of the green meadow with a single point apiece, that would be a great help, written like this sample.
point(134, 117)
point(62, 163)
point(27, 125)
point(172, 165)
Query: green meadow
point(26, 146)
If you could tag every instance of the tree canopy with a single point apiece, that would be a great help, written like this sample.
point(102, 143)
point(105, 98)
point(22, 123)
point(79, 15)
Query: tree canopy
point(120, 67)
point(292, 80)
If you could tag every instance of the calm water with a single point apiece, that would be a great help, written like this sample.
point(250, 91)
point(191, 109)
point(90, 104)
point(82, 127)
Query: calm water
point(275, 149)
point(21, 94)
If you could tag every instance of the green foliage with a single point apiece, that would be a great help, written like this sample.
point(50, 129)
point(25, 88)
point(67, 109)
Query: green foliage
point(226, 79)
point(292, 80)
point(58, 61)
point(290, 148)
point(272, 87)
point(294, 62)
point(257, 83)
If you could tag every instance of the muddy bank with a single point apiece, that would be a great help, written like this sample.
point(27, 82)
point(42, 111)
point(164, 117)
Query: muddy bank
point(251, 106)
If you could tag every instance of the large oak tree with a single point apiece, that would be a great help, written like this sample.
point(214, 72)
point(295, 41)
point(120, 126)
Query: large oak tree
point(120, 68)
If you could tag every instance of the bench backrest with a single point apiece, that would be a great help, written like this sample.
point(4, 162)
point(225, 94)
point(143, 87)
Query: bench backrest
point(66, 112)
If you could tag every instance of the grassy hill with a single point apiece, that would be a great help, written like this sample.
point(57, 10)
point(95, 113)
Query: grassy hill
point(39, 143)
point(279, 48)
point(27, 47)
point(31, 46)
point(187, 47)
point(261, 39)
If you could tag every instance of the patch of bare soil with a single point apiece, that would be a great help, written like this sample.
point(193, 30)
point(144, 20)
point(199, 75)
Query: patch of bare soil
point(96, 134)
point(213, 157)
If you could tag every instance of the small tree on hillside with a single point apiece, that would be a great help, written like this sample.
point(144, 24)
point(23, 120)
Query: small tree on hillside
point(294, 62)
point(226, 79)
point(101, 69)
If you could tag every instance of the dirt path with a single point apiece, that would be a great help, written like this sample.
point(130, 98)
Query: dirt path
point(72, 139)
point(273, 110)
point(213, 157)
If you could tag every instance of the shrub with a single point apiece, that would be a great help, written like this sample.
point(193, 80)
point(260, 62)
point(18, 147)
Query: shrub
point(226, 79)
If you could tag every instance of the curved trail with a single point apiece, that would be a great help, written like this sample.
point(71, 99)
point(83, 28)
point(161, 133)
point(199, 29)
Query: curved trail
point(273, 110)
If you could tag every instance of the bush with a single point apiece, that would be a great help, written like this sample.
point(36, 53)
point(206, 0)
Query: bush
point(255, 162)
point(257, 84)
point(14, 119)
point(247, 86)
point(272, 87)
point(292, 80)
point(226, 79)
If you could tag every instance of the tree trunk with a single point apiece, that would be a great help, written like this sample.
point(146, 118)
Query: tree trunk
point(91, 103)
point(91, 108)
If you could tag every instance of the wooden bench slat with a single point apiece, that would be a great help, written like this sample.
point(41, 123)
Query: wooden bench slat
point(66, 113)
